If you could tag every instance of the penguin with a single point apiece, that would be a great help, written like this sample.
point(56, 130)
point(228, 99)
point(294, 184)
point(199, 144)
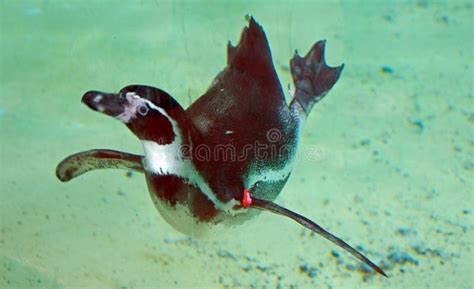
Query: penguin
point(226, 158)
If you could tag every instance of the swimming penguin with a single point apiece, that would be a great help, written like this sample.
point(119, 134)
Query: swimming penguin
point(227, 157)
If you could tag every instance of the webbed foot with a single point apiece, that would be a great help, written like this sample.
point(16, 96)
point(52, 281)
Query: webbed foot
point(80, 163)
point(312, 77)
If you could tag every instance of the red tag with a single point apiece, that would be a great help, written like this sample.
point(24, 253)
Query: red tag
point(246, 199)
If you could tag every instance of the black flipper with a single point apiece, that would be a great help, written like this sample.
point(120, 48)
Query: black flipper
point(80, 163)
point(312, 77)
point(274, 208)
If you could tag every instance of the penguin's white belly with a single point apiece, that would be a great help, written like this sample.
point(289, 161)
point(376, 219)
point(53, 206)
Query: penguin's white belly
point(180, 218)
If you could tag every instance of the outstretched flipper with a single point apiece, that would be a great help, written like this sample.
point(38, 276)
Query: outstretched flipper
point(80, 163)
point(312, 77)
point(274, 208)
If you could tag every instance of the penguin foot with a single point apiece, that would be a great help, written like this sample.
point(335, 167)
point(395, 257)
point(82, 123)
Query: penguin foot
point(80, 163)
point(305, 222)
point(312, 77)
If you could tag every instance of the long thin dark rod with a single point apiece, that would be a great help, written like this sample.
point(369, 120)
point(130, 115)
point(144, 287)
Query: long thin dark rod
point(274, 208)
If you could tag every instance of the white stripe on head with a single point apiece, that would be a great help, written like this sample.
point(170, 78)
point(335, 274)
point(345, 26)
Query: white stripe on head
point(135, 105)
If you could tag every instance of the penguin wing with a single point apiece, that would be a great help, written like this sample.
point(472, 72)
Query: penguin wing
point(268, 206)
point(80, 163)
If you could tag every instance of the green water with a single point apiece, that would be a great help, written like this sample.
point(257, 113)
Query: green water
point(392, 170)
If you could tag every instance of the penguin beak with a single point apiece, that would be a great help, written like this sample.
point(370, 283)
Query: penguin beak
point(107, 103)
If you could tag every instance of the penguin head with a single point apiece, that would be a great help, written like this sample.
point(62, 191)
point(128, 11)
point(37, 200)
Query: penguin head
point(150, 113)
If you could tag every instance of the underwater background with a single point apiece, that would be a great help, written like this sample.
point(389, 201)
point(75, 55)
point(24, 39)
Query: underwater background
point(392, 145)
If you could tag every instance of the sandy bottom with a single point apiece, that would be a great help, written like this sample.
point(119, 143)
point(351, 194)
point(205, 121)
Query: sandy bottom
point(386, 162)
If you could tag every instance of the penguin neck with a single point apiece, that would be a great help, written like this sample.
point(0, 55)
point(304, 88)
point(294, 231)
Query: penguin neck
point(168, 149)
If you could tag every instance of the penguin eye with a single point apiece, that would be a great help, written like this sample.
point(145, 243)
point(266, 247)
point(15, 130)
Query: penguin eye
point(143, 109)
